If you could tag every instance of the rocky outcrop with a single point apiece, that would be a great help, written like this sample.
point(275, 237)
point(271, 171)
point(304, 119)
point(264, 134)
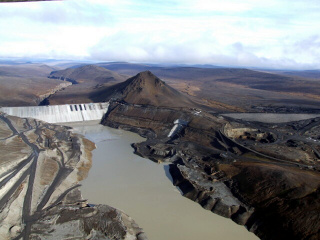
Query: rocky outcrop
point(41, 166)
point(145, 120)
point(43, 98)
point(273, 197)
point(62, 78)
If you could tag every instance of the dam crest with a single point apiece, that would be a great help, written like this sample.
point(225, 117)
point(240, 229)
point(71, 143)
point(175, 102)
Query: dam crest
point(60, 113)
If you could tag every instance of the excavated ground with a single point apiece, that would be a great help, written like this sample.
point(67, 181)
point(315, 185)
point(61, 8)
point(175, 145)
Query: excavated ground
point(40, 168)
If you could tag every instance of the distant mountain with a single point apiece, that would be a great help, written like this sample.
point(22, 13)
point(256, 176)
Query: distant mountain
point(87, 74)
point(239, 87)
point(315, 74)
point(146, 88)
point(88, 80)
point(194, 73)
point(26, 84)
point(128, 68)
point(26, 70)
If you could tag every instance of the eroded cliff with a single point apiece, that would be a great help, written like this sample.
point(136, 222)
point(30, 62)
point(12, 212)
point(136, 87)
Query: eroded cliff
point(213, 165)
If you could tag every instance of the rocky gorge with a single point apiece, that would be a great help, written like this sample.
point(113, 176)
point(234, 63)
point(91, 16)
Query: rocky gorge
point(43, 98)
point(248, 172)
point(263, 176)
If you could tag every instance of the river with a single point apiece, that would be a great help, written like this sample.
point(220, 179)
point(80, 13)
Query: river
point(143, 189)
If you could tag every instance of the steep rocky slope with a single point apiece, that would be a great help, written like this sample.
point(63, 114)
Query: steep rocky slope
point(231, 168)
point(40, 168)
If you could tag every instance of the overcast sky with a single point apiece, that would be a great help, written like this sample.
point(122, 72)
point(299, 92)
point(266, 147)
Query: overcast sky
point(256, 33)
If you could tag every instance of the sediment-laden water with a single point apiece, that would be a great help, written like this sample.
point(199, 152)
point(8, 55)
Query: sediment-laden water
point(143, 189)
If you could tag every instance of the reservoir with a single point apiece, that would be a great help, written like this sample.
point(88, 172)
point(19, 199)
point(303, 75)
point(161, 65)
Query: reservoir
point(143, 190)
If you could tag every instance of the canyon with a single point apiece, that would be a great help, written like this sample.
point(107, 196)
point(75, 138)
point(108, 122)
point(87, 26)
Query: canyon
point(259, 175)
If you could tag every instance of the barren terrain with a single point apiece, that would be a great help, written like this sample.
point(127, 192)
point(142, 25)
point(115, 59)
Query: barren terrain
point(27, 84)
point(41, 167)
point(234, 89)
point(260, 175)
point(88, 81)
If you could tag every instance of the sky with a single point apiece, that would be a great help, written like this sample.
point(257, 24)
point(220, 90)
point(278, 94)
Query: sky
point(280, 34)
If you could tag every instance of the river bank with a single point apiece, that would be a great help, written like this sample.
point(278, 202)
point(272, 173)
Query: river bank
point(41, 165)
point(248, 172)
point(144, 190)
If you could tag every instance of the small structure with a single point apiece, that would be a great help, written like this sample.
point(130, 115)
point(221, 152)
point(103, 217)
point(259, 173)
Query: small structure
point(179, 125)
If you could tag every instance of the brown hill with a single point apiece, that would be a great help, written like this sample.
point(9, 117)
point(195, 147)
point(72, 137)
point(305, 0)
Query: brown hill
point(87, 74)
point(88, 80)
point(147, 89)
point(26, 70)
point(26, 84)
point(232, 88)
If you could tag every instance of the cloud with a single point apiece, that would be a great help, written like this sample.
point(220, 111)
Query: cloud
point(140, 49)
point(306, 50)
point(311, 43)
point(81, 12)
point(270, 33)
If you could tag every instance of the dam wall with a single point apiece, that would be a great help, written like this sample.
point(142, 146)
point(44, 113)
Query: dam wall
point(60, 113)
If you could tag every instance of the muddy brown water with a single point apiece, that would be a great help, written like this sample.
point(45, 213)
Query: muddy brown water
point(143, 189)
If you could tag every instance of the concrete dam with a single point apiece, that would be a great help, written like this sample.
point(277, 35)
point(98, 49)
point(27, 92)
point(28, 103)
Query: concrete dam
point(60, 113)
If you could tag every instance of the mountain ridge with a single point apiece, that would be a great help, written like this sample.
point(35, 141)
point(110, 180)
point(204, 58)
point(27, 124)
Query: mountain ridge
point(87, 73)
point(147, 89)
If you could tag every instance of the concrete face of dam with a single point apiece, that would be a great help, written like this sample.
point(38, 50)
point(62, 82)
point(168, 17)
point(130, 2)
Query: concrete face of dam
point(60, 113)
